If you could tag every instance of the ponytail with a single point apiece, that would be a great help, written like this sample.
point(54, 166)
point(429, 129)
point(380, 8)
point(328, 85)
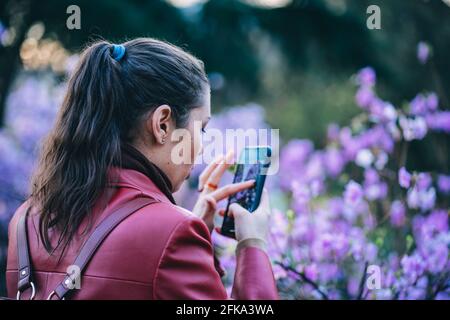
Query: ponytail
point(84, 142)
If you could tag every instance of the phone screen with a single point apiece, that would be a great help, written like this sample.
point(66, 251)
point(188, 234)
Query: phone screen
point(252, 165)
point(246, 198)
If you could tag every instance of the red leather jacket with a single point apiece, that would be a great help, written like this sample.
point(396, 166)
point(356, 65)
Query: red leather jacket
point(161, 251)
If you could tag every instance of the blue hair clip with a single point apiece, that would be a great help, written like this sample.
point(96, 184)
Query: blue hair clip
point(118, 51)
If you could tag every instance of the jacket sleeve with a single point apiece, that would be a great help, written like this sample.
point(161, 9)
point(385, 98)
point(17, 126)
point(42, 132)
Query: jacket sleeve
point(187, 269)
point(254, 279)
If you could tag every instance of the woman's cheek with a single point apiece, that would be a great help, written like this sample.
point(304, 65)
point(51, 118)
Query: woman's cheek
point(196, 146)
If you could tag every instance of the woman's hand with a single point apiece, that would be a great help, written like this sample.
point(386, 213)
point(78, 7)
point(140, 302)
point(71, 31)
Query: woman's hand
point(210, 194)
point(253, 225)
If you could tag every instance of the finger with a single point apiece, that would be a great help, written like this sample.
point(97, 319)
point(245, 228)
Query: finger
point(229, 157)
point(219, 170)
point(218, 230)
point(204, 176)
point(231, 189)
point(236, 209)
point(265, 201)
point(211, 202)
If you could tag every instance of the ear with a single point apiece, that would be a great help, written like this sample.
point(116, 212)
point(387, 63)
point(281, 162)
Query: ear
point(160, 123)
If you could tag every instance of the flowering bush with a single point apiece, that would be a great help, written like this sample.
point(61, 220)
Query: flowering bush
point(359, 224)
point(382, 214)
point(31, 109)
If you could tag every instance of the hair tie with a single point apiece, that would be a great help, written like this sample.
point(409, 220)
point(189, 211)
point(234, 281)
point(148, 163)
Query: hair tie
point(118, 51)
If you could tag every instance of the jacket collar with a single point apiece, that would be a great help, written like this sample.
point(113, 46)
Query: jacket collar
point(129, 178)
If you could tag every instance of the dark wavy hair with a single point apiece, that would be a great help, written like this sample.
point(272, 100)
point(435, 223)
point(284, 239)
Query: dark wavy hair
point(105, 100)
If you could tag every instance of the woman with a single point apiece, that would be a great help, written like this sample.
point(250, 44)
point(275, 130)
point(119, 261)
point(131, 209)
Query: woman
point(112, 144)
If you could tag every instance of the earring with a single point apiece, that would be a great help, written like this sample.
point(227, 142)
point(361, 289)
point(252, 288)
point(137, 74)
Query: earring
point(163, 141)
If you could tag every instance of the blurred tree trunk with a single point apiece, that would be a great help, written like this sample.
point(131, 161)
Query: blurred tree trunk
point(8, 64)
point(18, 15)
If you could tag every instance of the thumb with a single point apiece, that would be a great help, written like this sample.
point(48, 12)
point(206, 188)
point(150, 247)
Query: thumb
point(236, 210)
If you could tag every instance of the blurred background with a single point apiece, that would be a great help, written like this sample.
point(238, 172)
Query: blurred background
point(290, 62)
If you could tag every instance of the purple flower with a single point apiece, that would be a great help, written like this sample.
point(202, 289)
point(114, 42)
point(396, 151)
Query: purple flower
point(334, 161)
point(432, 102)
point(382, 159)
point(335, 206)
point(394, 130)
point(293, 161)
point(413, 128)
point(367, 77)
point(371, 176)
point(364, 158)
point(383, 294)
point(301, 196)
point(428, 199)
point(422, 104)
point(439, 121)
point(374, 188)
point(439, 220)
point(421, 199)
point(303, 229)
point(426, 228)
point(329, 272)
point(444, 183)
point(357, 244)
point(388, 112)
point(278, 231)
point(2, 29)
point(404, 178)
point(353, 285)
point(382, 111)
point(413, 267)
point(417, 292)
point(322, 247)
point(278, 272)
point(333, 132)
point(371, 252)
point(397, 213)
point(376, 137)
point(435, 255)
point(418, 105)
point(316, 187)
point(353, 194)
point(423, 52)
point(312, 272)
point(413, 198)
point(423, 181)
point(314, 167)
point(345, 136)
point(364, 97)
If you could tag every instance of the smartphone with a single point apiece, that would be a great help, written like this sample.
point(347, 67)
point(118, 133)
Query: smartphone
point(253, 164)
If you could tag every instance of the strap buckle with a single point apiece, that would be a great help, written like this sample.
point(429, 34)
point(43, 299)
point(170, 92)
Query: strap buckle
point(33, 292)
point(53, 293)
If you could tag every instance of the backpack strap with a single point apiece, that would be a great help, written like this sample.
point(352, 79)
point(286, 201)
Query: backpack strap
point(23, 255)
point(93, 242)
point(87, 251)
